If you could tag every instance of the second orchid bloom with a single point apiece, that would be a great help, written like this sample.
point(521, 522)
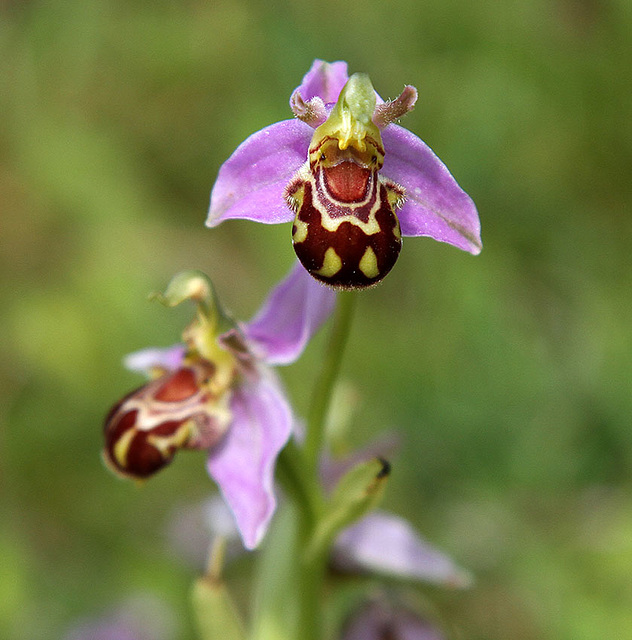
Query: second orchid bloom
point(217, 391)
point(352, 182)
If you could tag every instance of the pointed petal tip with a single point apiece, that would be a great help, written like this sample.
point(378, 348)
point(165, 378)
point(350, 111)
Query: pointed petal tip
point(474, 243)
point(251, 183)
point(436, 206)
point(213, 219)
point(410, 556)
point(476, 249)
point(252, 538)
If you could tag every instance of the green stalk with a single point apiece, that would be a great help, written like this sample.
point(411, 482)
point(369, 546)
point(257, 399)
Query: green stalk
point(304, 489)
point(313, 567)
point(291, 580)
point(321, 398)
point(291, 609)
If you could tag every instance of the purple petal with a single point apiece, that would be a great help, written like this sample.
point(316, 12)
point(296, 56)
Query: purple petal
point(325, 80)
point(143, 617)
point(376, 621)
point(250, 184)
point(243, 463)
point(435, 204)
point(144, 361)
point(385, 543)
point(293, 312)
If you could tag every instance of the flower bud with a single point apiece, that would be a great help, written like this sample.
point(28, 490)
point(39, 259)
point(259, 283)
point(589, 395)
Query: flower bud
point(176, 411)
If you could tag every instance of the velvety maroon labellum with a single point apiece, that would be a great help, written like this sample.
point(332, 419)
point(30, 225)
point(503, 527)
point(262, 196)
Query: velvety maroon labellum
point(147, 427)
point(345, 232)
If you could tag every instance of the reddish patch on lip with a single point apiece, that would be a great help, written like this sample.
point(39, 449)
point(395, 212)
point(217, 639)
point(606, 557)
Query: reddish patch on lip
point(347, 181)
point(177, 387)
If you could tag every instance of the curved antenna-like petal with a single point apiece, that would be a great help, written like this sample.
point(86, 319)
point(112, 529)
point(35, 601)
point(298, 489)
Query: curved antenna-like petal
point(291, 315)
point(250, 184)
point(435, 206)
point(385, 543)
point(324, 80)
point(242, 465)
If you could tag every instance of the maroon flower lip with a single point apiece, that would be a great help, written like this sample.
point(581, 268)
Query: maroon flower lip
point(346, 244)
point(145, 430)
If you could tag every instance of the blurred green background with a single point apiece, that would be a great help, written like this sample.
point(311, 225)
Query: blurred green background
point(507, 374)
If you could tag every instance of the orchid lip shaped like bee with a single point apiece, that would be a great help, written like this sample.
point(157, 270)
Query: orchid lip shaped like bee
point(351, 180)
point(175, 411)
point(345, 231)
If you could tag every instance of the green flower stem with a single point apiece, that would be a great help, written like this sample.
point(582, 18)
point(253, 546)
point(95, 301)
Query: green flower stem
point(305, 583)
point(311, 590)
point(321, 398)
point(301, 585)
point(312, 567)
point(285, 588)
point(215, 612)
point(290, 597)
point(303, 488)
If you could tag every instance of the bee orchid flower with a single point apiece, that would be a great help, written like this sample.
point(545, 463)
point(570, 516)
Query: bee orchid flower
point(351, 181)
point(218, 391)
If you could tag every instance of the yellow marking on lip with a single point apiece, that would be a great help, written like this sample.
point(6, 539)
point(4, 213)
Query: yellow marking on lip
point(301, 231)
point(368, 263)
point(177, 439)
point(331, 224)
point(370, 227)
point(331, 264)
point(121, 448)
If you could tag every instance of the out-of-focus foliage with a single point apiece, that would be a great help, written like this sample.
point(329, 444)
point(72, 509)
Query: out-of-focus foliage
point(508, 374)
